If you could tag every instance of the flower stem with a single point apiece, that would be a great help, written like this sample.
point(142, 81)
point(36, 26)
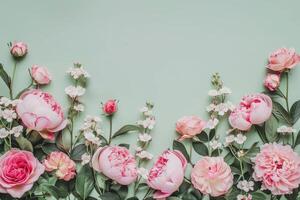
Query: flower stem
point(12, 80)
point(110, 130)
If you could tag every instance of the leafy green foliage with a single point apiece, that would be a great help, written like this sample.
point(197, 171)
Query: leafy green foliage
point(24, 143)
point(281, 113)
point(295, 111)
point(78, 151)
point(271, 126)
point(180, 147)
point(84, 182)
point(5, 77)
point(200, 148)
point(126, 129)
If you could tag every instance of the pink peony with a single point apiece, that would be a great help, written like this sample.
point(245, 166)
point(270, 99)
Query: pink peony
point(272, 81)
point(39, 111)
point(116, 163)
point(283, 59)
point(167, 173)
point(110, 107)
point(278, 168)
point(211, 175)
point(64, 167)
point(18, 172)
point(189, 126)
point(18, 49)
point(253, 109)
point(40, 74)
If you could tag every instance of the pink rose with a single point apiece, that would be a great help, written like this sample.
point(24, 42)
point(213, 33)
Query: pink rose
point(18, 172)
point(211, 175)
point(64, 167)
point(40, 74)
point(278, 168)
point(272, 81)
point(39, 111)
point(110, 107)
point(116, 163)
point(18, 49)
point(253, 109)
point(283, 59)
point(167, 173)
point(189, 126)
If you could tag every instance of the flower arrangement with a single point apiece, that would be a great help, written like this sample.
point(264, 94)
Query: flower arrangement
point(37, 161)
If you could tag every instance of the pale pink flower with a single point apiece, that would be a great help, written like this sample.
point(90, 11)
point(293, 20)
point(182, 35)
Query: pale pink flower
point(18, 172)
point(116, 163)
point(272, 81)
point(211, 175)
point(18, 49)
point(253, 109)
point(278, 168)
point(64, 167)
point(39, 111)
point(167, 173)
point(189, 126)
point(283, 59)
point(40, 74)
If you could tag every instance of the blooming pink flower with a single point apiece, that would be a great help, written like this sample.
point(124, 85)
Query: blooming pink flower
point(40, 74)
point(272, 81)
point(64, 167)
point(18, 172)
point(189, 126)
point(18, 49)
point(167, 173)
point(253, 109)
point(39, 111)
point(110, 107)
point(278, 168)
point(116, 163)
point(283, 59)
point(211, 175)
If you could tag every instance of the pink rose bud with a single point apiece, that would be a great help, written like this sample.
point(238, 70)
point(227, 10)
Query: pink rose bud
point(278, 168)
point(272, 81)
point(211, 175)
point(18, 172)
point(167, 173)
point(253, 109)
point(40, 75)
point(189, 126)
point(283, 59)
point(64, 167)
point(39, 111)
point(116, 163)
point(110, 107)
point(18, 49)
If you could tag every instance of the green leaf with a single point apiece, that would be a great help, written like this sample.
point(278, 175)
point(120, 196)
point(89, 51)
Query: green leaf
point(180, 147)
point(259, 195)
point(297, 141)
point(121, 190)
point(232, 194)
point(280, 113)
point(295, 111)
point(126, 129)
point(124, 145)
point(271, 126)
point(84, 182)
point(54, 191)
point(261, 132)
point(78, 151)
point(212, 134)
point(24, 143)
point(203, 136)
point(200, 148)
point(133, 198)
point(229, 158)
point(110, 196)
point(48, 147)
point(5, 76)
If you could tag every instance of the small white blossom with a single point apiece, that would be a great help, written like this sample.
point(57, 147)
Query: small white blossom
point(85, 158)
point(213, 93)
point(144, 137)
point(79, 108)
point(74, 91)
point(221, 109)
point(245, 185)
point(240, 153)
point(147, 123)
point(9, 115)
point(90, 137)
point(286, 129)
point(215, 144)
point(144, 155)
point(5, 101)
point(225, 90)
point(229, 139)
point(244, 197)
point(143, 173)
point(16, 131)
point(240, 138)
point(212, 123)
point(3, 133)
point(138, 149)
point(77, 72)
point(211, 107)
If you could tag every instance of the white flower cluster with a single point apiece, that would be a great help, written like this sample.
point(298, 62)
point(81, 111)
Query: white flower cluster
point(74, 91)
point(215, 144)
point(221, 108)
point(239, 138)
point(244, 197)
point(91, 130)
point(245, 185)
point(15, 131)
point(286, 129)
point(7, 109)
point(78, 71)
point(222, 91)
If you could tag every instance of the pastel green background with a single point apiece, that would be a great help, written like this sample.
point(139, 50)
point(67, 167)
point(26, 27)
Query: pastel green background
point(161, 51)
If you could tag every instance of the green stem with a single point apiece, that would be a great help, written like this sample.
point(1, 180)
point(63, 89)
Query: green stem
point(110, 130)
point(12, 81)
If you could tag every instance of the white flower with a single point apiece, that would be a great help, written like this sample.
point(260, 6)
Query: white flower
point(85, 158)
point(213, 93)
point(3, 133)
point(143, 173)
point(211, 107)
point(90, 137)
point(245, 185)
point(225, 90)
point(244, 197)
point(240, 138)
point(286, 129)
point(9, 115)
point(212, 123)
point(77, 72)
point(138, 149)
point(147, 123)
point(15, 102)
point(5, 101)
point(144, 155)
point(144, 137)
point(215, 144)
point(222, 108)
point(74, 91)
point(79, 108)
point(16, 131)
point(229, 139)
